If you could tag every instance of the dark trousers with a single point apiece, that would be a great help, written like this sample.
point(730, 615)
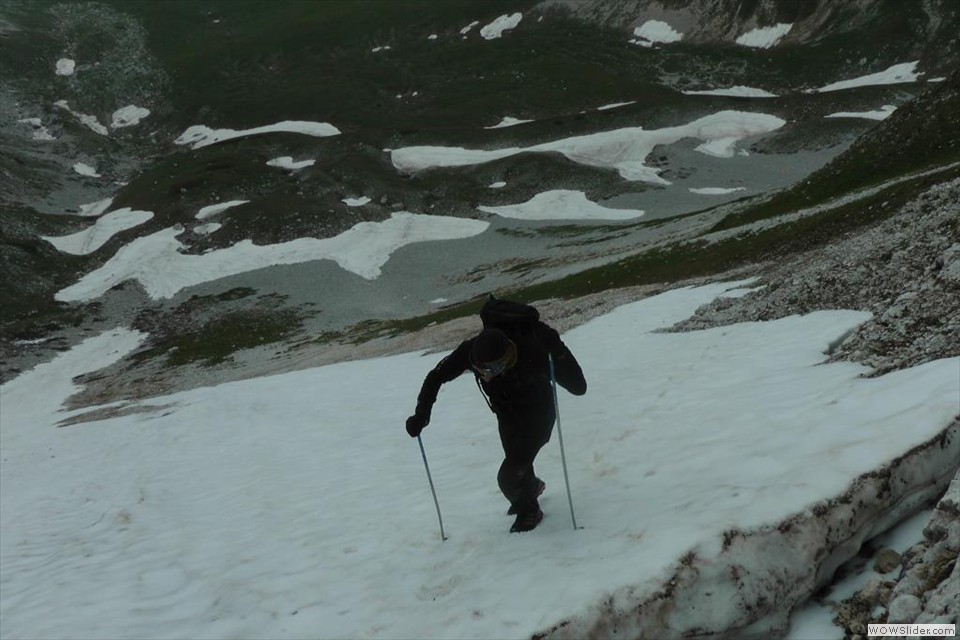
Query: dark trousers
point(523, 432)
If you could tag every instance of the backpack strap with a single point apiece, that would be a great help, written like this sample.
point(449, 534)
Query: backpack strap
point(476, 378)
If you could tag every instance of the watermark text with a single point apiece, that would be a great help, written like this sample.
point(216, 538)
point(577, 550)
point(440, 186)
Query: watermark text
point(912, 630)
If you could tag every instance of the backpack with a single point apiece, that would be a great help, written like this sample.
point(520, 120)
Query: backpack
point(510, 317)
point(513, 318)
point(517, 320)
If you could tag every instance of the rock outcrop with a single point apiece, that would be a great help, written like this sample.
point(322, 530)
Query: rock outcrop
point(926, 587)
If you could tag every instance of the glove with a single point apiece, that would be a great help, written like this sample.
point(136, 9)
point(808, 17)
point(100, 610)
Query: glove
point(416, 423)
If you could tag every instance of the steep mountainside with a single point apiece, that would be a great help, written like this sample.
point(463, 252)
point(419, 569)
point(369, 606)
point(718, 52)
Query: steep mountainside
point(388, 77)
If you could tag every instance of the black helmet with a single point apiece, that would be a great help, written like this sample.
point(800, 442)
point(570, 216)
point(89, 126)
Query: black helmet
point(492, 353)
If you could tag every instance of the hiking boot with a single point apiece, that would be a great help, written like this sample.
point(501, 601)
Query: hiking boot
point(541, 487)
point(527, 521)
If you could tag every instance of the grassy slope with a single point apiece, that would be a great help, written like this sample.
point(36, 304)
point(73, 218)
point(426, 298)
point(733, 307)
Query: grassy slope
point(920, 135)
point(314, 61)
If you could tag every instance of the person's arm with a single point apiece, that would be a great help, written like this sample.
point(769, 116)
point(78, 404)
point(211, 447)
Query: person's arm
point(567, 370)
point(446, 370)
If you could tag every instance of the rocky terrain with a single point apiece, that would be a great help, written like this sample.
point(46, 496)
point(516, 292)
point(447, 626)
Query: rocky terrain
point(921, 585)
point(905, 271)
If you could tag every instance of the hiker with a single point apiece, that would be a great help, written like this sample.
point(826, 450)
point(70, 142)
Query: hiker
point(509, 359)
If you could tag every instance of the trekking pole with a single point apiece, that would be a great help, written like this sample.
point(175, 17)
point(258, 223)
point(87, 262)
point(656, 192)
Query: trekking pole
point(563, 457)
point(432, 490)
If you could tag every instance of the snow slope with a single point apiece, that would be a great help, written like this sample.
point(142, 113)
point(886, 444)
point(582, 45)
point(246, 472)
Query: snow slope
point(296, 506)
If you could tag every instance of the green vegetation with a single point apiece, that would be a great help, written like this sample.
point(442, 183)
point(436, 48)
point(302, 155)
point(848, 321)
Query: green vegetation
point(32, 273)
point(375, 329)
point(216, 341)
point(920, 136)
point(315, 61)
point(693, 259)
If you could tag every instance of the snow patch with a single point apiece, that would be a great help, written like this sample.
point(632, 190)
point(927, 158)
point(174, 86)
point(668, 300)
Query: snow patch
point(738, 91)
point(94, 209)
point(89, 240)
point(40, 132)
point(211, 210)
point(157, 262)
point(882, 113)
point(622, 149)
point(22, 413)
point(508, 121)
point(496, 28)
point(287, 162)
point(128, 116)
point(720, 147)
point(90, 122)
point(764, 37)
point(897, 74)
point(715, 191)
point(356, 202)
point(656, 31)
point(561, 204)
point(615, 105)
point(86, 170)
point(207, 228)
point(199, 136)
point(65, 67)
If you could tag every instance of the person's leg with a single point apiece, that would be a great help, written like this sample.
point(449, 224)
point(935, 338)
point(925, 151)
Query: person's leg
point(518, 484)
point(522, 437)
point(541, 487)
point(538, 426)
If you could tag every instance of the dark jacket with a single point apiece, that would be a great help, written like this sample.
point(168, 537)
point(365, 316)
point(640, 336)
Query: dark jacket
point(523, 387)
